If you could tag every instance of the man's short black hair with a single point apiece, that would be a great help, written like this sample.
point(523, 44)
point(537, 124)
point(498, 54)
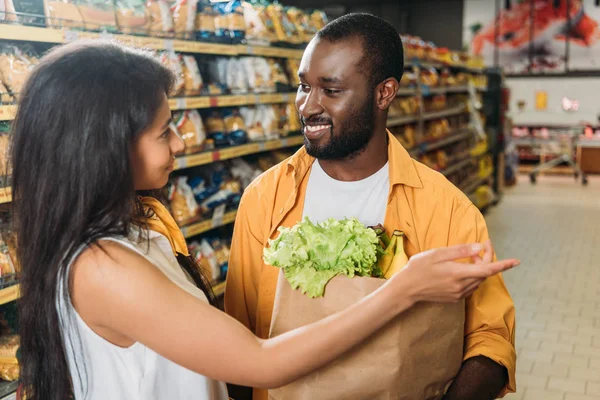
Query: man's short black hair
point(384, 56)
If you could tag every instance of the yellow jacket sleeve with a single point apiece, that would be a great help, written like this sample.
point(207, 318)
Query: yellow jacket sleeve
point(245, 262)
point(490, 311)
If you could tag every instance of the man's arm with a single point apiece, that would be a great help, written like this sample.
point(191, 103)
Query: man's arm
point(488, 370)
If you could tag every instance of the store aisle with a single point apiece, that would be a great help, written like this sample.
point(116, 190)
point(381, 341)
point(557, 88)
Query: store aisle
point(554, 228)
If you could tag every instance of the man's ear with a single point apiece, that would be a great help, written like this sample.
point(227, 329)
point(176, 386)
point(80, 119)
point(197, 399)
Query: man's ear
point(386, 93)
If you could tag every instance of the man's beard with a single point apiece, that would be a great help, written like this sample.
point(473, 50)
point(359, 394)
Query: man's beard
point(351, 138)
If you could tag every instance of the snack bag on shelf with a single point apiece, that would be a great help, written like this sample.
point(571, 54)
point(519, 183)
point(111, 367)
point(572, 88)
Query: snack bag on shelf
point(14, 69)
point(235, 19)
point(184, 18)
point(63, 14)
point(258, 74)
point(409, 79)
point(208, 254)
point(275, 12)
point(221, 23)
point(131, 16)
point(5, 96)
point(235, 126)
point(174, 62)
point(278, 76)
point(160, 18)
point(215, 128)
point(192, 79)
point(256, 31)
point(203, 262)
point(221, 253)
point(271, 121)
point(294, 124)
point(430, 77)
point(300, 21)
point(6, 265)
point(7, 11)
point(98, 15)
point(243, 171)
point(183, 204)
point(254, 127)
point(5, 170)
point(239, 75)
point(190, 128)
point(205, 20)
point(9, 365)
point(292, 66)
point(318, 19)
point(11, 242)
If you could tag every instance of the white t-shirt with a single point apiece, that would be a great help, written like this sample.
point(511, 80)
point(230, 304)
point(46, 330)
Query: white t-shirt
point(365, 200)
point(134, 373)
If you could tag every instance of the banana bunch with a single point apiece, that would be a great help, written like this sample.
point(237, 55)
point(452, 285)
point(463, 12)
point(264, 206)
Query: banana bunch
point(394, 258)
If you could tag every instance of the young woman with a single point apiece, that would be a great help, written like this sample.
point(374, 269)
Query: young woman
point(113, 307)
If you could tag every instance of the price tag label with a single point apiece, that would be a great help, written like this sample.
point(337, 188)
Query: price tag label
point(286, 98)
point(217, 218)
point(250, 50)
point(180, 103)
point(169, 44)
point(213, 101)
point(71, 35)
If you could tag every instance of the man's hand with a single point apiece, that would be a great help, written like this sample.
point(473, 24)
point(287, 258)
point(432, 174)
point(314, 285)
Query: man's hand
point(479, 378)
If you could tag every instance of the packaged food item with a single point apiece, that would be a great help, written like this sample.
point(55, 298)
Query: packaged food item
point(319, 19)
point(256, 31)
point(235, 126)
point(184, 18)
point(239, 71)
point(14, 69)
point(190, 128)
point(192, 80)
point(203, 261)
point(221, 23)
point(182, 201)
point(215, 128)
point(174, 62)
point(301, 23)
point(293, 66)
point(63, 14)
point(236, 22)
point(11, 241)
point(208, 253)
point(258, 74)
point(280, 80)
point(131, 16)
point(6, 264)
point(254, 127)
point(98, 15)
point(205, 20)
point(429, 76)
point(160, 18)
point(5, 96)
point(7, 11)
point(293, 118)
point(409, 79)
point(9, 365)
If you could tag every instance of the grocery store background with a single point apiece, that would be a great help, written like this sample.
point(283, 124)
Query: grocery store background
point(484, 103)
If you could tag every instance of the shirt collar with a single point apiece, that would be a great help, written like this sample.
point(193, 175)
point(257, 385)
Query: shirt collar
point(402, 168)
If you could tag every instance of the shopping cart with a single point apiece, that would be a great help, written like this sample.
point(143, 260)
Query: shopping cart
point(560, 145)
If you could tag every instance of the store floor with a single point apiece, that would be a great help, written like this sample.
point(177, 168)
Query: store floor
point(554, 228)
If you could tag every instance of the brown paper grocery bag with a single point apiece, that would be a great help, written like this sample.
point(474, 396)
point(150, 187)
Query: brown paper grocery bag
point(415, 357)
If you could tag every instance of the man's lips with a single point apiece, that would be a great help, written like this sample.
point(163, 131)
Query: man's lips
point(313, 132)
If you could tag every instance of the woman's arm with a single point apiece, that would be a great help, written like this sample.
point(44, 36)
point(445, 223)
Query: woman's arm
point(123, 297)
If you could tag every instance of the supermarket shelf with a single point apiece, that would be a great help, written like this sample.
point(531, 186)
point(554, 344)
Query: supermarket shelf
point(50, 35)
point(475, 183)
point(8, 390)
point(402, 120)
point(184, 103)
point(9, 294)
point(460, 135)
point(456, 167)
point(445, 113)
point(207, 157)
point(589, 143)
point(558, 170)
point(219, 289)
point(407, 92)
point(7, 113)
point(438, 65)
point(207, 225)
point(5, 195)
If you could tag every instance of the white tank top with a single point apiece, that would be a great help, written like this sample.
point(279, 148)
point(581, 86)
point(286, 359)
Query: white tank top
point(102, 371)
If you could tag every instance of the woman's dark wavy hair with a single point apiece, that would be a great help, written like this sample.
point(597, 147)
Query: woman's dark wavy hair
point(78, 117)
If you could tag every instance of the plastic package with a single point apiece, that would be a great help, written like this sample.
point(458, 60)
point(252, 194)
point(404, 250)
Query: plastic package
point(294, 124)
point(205, 21)
point(256, 30)
point(221, 23)
point(184, 18)
point(14, 69)
point(63, 14)
point(254, 127)
point(235, 126)
point(160, 18)
point(215, 128)
point(131, 16)
point(5, 96)
point(98, 15)
point(192, 79)
point(319, 19)
point(174, 62)
point(191, 129)
point(183, 203)
point(236, 24)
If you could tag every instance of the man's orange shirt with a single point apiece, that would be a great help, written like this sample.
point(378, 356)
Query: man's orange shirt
point(421, 202)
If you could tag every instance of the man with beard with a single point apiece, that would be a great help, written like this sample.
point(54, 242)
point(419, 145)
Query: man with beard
point(351, 166)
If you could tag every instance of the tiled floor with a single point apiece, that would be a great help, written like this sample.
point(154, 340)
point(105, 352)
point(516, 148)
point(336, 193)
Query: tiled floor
point(554, 228)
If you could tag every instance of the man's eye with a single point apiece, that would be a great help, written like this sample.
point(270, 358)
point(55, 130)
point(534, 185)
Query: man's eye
point(165, 134)
point(332, 91)
point(303, 87)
